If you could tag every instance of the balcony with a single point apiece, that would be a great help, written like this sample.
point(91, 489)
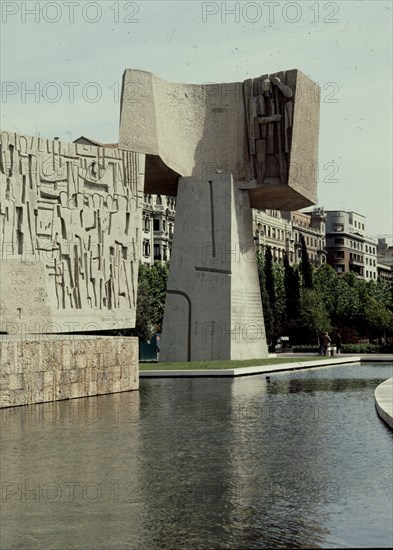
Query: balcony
point(355, 263)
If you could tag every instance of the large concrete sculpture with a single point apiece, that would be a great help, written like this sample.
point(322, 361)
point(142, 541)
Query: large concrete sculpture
point(70, 215)
point(69, 221)
point(223, 148)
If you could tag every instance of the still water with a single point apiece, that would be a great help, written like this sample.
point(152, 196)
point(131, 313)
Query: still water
point(301, 460)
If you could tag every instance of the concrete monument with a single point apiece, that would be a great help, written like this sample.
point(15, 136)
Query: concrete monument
point(223, 148)
point(70, 216)
point(69, 221)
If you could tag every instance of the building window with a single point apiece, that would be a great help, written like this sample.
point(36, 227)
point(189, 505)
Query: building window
point(157, 255)
point(339, 254)
point(156, 224)
point(146, 248)
point(338, 227)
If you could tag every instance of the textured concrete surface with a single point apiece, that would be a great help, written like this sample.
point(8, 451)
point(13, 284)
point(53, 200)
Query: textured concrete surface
point(384, 401)
point(263, 131)
point(70, 216)
point(243, 371)
point(213, 307)
point(50, 368)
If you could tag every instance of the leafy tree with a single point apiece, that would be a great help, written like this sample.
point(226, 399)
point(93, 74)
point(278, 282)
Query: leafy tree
point(381, 291)
point(156, 278)
point(314, 318)
point(152, 283)
point(144, 327)
point(305, 266)
point(377, 315)
point(325, 281)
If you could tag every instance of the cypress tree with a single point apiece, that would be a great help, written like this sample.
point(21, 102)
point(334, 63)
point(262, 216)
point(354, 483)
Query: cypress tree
point(305, 266)
point(267, 310)
point(269, 280)
point(292, 291)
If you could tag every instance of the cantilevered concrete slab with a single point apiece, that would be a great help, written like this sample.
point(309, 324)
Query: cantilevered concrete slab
point(264, 131)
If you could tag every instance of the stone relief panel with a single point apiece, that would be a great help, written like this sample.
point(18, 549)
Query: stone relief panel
point(269, 111)
point(70, 219)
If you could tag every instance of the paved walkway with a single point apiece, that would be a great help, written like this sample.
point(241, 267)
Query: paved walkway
point(384, 401)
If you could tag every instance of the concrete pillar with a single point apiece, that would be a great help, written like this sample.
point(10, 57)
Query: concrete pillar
point(213, 306)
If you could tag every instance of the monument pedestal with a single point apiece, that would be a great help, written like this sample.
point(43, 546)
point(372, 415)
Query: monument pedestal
point(213, 307)
point(38, 368)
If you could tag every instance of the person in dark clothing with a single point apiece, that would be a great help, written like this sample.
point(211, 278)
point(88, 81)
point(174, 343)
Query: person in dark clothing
point(338, 342)
point(325, 342)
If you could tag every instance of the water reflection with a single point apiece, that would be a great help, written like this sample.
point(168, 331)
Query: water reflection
point(299, 461)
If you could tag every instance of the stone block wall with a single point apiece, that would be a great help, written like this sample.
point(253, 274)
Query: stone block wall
point(50, 368)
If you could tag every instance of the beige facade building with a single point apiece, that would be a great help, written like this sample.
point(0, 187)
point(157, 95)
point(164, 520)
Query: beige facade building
point(157, 228)
point(348, 247)
point(282, 231)
point(312, 226)
point(385, 261)
point(271, 228)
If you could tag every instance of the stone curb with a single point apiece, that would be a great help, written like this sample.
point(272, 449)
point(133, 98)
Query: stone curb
point(384, 401)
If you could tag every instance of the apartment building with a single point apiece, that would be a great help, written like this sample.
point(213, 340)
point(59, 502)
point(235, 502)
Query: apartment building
point(385, 261)
point(348, 249)
point(158, 222)
point(312, 226)
point(271, 228)
point(282, 230)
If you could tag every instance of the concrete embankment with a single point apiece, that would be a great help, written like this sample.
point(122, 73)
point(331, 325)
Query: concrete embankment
point(384, 401)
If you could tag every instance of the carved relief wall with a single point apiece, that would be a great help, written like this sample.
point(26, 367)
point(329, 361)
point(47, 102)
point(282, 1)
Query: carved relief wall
point(269, 108)
point(70, 219)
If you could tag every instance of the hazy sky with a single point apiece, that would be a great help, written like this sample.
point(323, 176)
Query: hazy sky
point(62, 64)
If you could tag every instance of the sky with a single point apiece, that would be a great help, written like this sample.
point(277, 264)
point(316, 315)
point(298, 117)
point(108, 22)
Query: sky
point(62, 64)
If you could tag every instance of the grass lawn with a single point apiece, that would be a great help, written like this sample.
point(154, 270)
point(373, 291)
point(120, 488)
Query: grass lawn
point(199, 365)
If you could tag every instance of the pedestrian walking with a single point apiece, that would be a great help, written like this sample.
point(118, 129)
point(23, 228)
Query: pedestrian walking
point(325, 342)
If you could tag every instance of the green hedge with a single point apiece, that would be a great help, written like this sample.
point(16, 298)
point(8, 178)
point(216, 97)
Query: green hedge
point(348, 348)
point(361, 348)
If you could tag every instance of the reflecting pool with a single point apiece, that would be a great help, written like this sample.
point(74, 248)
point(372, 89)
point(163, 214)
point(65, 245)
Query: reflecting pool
point(298, 460)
